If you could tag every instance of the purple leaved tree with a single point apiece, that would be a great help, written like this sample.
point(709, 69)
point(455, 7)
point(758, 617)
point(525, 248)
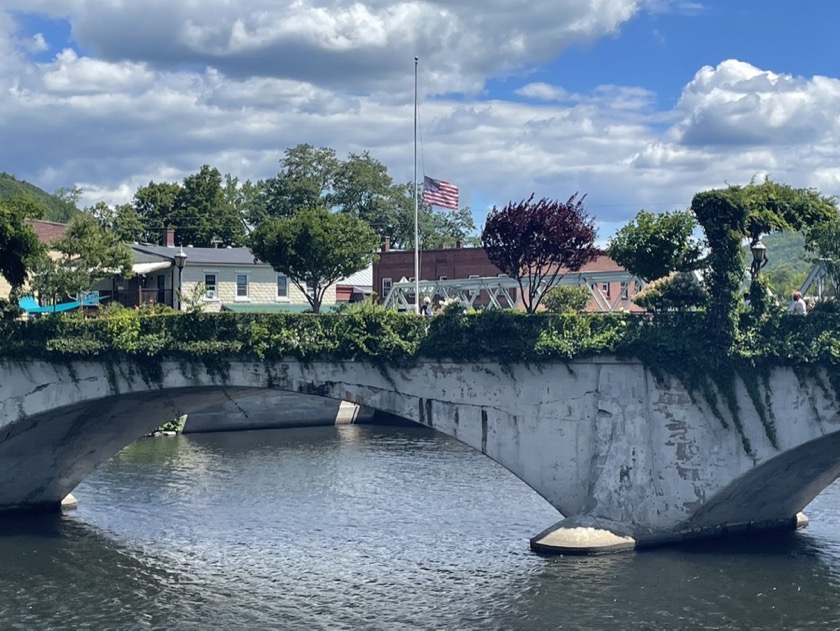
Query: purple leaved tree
point(537, 242)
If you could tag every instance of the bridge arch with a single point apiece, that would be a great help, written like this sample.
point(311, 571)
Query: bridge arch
point(607, 444)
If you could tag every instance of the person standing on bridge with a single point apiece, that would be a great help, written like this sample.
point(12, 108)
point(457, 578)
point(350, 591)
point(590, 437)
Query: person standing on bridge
point(798, 305)
point(426, 309)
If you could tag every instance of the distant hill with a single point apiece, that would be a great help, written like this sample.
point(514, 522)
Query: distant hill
point(785, 248)
point(55, 208)
point(786, 267)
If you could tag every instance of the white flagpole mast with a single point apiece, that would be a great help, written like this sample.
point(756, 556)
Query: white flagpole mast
point(416, 211)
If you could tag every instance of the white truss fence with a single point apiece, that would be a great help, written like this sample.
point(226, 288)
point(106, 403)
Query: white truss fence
point(502, 292)
point(818, 280)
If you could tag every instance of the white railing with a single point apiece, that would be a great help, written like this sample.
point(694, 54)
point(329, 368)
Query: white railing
point(502, 292)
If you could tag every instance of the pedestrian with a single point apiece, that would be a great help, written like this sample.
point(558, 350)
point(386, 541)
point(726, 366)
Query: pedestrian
point(798, 305)
point(426, 309)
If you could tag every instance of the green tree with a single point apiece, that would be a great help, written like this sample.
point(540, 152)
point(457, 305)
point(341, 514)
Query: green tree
point(203, 213)
point(67, 205)
point(536, 242)
point(729, 216)
point(566, 299)
point(823, 246)
point(305, 179)
point(20, 247)
point(652, 246)
point(200, 209)
point(315, 248)
point(88, 252)
point(122, 219)
point(155, 204)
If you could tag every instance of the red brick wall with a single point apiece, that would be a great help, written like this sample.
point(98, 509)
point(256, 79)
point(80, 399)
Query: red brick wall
point(461, 263)
point(452, 263)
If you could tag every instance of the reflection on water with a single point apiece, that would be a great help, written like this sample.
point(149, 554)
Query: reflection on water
point(373, 528)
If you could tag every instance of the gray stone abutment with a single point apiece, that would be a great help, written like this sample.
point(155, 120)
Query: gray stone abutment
point(630, 460)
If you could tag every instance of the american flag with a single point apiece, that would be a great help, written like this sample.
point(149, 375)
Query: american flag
point(440, 193)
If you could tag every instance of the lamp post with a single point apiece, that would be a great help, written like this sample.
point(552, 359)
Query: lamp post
point(180, 260)
point(759, 254)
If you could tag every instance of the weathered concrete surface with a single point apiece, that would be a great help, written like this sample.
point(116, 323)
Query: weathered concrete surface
point(269, 409)
point(602, 440)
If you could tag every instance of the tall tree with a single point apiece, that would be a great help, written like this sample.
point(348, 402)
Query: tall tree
point(204, 215)
point(89, 252)
point(122, 219)
point(652, 246)
point(155, 204)
point(20, 247)
point(68, 203)
point(732, 214)
point(362, 187)
point(315, 248)
point(823, 245)
point(305, 179)
point(538, 242)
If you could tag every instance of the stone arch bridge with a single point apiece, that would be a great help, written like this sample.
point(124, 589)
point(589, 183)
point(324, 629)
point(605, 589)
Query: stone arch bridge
point(630, 460)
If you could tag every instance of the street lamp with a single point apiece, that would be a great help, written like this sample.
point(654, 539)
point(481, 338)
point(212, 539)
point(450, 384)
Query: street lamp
point(759, 254)
point(180, 261)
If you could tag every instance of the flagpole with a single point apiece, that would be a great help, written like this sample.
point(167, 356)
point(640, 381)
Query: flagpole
point(416, 211)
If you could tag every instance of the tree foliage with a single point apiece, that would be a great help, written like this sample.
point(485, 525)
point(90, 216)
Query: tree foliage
point(200, 209)
point(730, 215)
point(652, 246)
point(88, 252)
point(20, 247)
point(566, 299)
point(315, 248)
point(823, 245)
point(678, 291)
point(122, 219)
point(537, 242)
point(359, 185)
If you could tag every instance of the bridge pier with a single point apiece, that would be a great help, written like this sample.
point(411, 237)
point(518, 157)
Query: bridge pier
point(570, 537)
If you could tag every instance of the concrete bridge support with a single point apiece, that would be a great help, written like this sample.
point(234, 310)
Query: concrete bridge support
point(630, 460)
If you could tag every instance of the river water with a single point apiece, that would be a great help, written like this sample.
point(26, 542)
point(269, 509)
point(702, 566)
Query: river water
point(365, 527)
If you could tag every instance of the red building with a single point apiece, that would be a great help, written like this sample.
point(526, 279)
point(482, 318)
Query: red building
point(464, 263)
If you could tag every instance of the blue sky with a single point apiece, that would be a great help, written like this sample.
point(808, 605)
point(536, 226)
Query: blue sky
point(635, 103)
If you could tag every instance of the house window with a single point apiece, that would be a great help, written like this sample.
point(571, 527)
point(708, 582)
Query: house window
point(386, 286)
point(282, 286)
point(605, 289)
point(210, 287)
point(241, 286)
point(624, 290)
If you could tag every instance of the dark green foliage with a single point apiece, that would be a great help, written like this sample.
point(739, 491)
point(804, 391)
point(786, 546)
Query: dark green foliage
point(652, 246)
point(315, 248)
point(680, 291)
point(20, 248)
point(731, 215)
point(566, 299)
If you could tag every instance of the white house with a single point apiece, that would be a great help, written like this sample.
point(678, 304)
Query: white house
point(233, 280)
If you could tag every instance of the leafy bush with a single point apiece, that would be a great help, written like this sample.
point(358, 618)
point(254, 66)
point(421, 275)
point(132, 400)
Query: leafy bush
point(676, 292)
point(566, 299)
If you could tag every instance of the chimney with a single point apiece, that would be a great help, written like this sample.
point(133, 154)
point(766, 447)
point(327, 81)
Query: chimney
point(169, 237)
point(386, 244)
point(458, 244)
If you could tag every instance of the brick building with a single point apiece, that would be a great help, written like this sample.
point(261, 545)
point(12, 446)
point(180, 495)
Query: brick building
point(464, 263)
